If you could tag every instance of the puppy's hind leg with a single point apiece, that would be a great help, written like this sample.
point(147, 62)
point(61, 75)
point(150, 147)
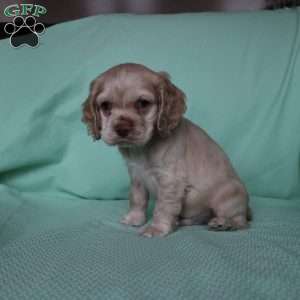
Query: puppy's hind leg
point(200, 219)
point(230, 208)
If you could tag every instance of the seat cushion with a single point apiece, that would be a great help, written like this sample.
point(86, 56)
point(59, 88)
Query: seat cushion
point(56, 248)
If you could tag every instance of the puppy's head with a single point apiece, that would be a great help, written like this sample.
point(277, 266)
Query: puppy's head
point(129, 104)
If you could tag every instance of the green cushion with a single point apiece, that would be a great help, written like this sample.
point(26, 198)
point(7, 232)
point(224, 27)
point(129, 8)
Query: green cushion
point(55, 248)
point(240, 72)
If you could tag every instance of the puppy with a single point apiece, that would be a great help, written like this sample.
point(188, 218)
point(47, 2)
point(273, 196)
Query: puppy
point(190, 176)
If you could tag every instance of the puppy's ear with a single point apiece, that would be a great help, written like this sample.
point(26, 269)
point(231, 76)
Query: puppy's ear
point(171, 105)
point(91, 114)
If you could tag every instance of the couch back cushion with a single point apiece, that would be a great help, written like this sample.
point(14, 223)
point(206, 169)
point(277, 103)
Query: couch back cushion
point(240, 72)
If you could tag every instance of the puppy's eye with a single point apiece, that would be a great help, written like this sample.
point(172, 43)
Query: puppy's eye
point(106, 107)
point(142, 104)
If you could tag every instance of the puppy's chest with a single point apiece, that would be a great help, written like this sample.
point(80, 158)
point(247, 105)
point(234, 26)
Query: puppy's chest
point(145, 173)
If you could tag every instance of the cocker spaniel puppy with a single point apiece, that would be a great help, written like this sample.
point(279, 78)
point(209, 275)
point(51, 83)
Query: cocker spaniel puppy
point(190, 176)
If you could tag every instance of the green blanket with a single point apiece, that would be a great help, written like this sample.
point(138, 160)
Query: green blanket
point(61, 195)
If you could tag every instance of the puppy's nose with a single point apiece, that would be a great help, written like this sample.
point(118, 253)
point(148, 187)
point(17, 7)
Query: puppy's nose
point(123, 127)
point(122, 132)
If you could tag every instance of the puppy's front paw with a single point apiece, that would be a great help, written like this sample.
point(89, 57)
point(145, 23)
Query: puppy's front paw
point(155, 230)
point(134, 218)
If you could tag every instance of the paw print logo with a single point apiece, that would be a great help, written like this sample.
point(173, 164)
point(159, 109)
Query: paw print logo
point(24, 31)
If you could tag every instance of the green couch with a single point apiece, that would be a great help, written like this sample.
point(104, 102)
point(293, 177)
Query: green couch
point(62, 195)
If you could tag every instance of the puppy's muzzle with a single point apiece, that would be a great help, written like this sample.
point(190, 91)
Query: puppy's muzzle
point(124, 127)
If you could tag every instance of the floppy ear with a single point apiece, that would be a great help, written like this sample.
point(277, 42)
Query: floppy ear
point(171, 105)
point(91, 114)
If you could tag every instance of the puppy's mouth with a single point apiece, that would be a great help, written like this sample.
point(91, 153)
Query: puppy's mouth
point(134, 138)
point(127, 142)
point(121, 142)
point(130, 141)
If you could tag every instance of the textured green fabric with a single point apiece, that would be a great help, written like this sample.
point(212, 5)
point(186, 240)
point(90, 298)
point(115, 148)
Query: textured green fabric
point(59, 231)
point(76, 249)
